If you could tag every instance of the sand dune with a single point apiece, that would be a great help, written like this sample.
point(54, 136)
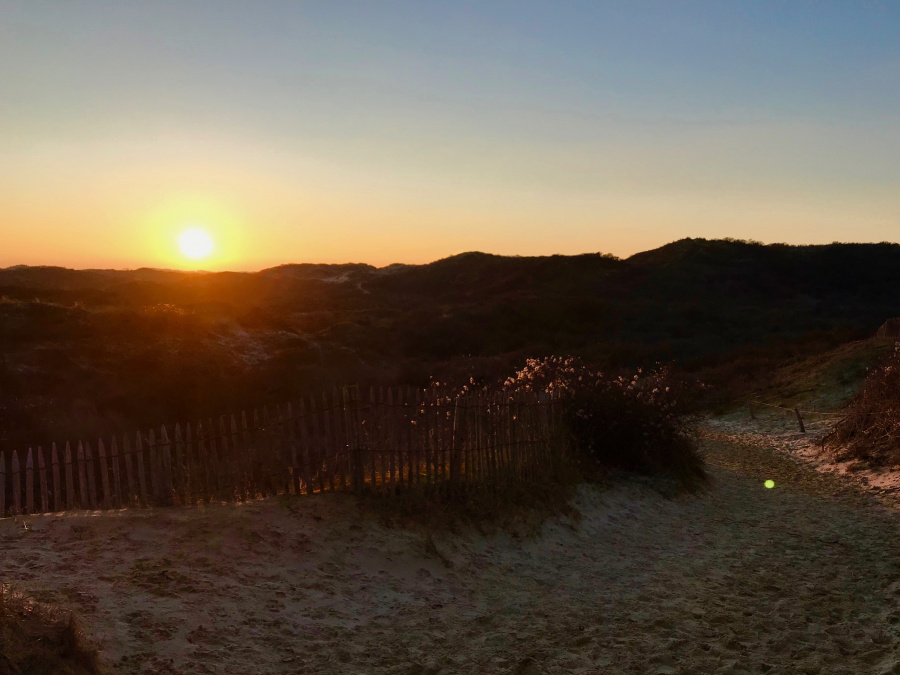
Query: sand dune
point(804, 578)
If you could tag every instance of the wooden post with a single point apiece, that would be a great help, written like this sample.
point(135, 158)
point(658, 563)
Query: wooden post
point(2, 485)
point(327, 469)
point(139, 459)
point(57, 487)
point(236, 450)
point(204, 468)
point(411, 408)
point(340, 440)
point(16, 485)
point(318, 439)
point(443, 443)
point(247, 458)
point(104, 474)
point(29, 483)
point(156, 483)
point(284, 458)
point(83, 501)
point(180, 468)
point(391, 439)
point(400, 430)
point(303, 423)
point(168, 485)
point(42, 472)
point(265, 448)
point(421, 438)
point(429, 430)
point(226, 480)
point(372, 440)
point(153, 467)
point(213, 461)
point(351, 444)
point(70, 479)
point(800, 421)
point(293, 452)
point(91, 476)
point(117, 476)
point(256, 457)
point(129, 470)
point(193, 470)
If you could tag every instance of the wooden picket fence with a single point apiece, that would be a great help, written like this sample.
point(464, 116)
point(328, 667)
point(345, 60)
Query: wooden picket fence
point(386, 440)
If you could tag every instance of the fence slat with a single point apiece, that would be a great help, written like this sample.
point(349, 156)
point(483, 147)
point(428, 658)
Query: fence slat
point(91, 477)
point(70, 479)
point(340, 440)
point(303, 423)
point(266, 454)
point(325, 427)
point(390, 438)
point(57, 486)
point(168, 484)
point(255, 457)
point(104, 474)
point(293, 450)
point(203, 471)
point(116, 473)
point(42, 471)
point(83, 502)
point(236, 452)
point(372, 440)
point(180, 469)
point(29, 483)
point(283, 458)
point(225, 489)
point(154, 468)
point(400, 420)
point(212, 459)
point(16, 485)
point(193, 470)
point(141, 464)
point(129, 470)
point(247, 459)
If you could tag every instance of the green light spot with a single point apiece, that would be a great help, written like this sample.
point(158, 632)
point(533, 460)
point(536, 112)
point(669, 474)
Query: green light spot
point(770, 484)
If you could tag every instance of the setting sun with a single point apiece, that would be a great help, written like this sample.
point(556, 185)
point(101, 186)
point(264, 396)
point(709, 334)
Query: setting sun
point(195, 243)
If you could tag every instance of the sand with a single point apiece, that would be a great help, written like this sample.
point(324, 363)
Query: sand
point(803, 578)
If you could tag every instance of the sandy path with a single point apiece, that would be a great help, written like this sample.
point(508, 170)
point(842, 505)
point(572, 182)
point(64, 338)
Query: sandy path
point(804, 578)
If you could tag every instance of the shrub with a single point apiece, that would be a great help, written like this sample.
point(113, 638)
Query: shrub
point(870, 430)
point(642, 422)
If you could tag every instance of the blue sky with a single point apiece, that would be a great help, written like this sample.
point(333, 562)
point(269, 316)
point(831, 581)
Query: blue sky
point(381, 132)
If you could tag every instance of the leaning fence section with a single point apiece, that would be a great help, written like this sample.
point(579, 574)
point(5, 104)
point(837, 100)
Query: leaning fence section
point(384, 440)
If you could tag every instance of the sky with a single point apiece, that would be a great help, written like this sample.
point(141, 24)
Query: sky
point(384, 132)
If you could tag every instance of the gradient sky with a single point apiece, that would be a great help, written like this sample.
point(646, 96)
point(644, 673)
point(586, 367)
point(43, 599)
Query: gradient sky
point(409, 131)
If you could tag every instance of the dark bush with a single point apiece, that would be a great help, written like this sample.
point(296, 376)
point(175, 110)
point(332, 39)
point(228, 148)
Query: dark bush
point(642, 422)
point(870, 430)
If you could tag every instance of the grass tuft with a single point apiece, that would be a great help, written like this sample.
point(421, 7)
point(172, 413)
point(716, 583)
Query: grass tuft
point(37, 638)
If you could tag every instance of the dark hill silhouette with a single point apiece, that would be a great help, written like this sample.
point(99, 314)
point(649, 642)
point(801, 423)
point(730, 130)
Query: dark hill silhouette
point(98, 348)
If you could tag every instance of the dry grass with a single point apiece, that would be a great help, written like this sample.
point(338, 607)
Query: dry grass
point(38, 639)
point(870, 429)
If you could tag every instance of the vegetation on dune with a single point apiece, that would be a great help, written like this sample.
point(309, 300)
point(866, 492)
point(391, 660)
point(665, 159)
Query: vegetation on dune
point(36, 639)
point(100, 351)
point(870, 429)
point(642, 422)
